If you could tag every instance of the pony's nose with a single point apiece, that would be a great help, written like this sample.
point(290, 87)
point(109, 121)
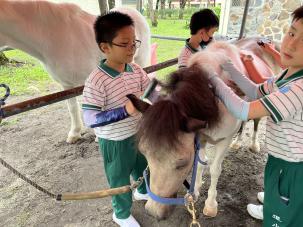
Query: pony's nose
point(158, 210)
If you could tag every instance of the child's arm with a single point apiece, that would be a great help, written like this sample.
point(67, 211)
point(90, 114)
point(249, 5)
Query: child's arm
point(236, 106)
point(94, 97)
point(252, 90)
point(269, 47)
point(246, 85)
point(252, 70)
point(95, 118)
point(280, 105)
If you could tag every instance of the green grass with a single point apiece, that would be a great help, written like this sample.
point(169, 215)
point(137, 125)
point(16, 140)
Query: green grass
point(31, 78)
point(28, 78)
point(168, 49)
point(174, 13)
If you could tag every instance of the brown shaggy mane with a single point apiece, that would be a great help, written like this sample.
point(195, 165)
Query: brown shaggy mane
point(189, 95)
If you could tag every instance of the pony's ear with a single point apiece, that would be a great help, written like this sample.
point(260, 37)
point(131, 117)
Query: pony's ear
point(193, 125)
point(140, 105)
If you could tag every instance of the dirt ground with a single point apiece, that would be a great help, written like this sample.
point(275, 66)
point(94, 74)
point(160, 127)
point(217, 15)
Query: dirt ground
point(34, 143)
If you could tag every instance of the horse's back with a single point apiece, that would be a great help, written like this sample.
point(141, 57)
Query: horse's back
point(61, 36)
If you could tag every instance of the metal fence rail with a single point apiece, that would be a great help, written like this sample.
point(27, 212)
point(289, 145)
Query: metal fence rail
point(13, 109)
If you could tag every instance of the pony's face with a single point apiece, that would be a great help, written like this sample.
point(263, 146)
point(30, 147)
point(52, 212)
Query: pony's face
point(168, 168)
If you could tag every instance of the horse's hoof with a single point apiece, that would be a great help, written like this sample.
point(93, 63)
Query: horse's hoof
point(73, 139)
point(210, 211)
point(254, 148)
point(84, 131)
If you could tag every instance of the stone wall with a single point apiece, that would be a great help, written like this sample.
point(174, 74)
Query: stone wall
point(269, 18)
point(277, 17)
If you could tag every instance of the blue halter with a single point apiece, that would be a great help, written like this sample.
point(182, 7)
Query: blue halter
point(177, 201)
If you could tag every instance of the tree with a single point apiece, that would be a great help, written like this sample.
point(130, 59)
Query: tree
point(111, 4)
point(152, 14)
point(103, 5)
point(139, 6)
point(157, 5)
point(162, 5)
point(182, 6)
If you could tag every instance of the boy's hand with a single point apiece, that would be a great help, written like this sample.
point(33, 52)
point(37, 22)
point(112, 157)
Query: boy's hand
point(230, 68)
point(266, 44)
point(246, 57)
point(130, 109)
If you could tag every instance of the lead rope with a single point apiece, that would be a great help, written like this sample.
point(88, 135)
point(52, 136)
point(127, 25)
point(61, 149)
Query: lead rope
point(67, 196)
point(76, 196)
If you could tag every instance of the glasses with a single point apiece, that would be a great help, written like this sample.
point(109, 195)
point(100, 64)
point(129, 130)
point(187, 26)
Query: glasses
point(136, 44)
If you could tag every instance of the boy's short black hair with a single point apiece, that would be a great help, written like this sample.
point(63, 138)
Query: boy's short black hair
point(205, 18)
point(297, 14)
point(106, 26)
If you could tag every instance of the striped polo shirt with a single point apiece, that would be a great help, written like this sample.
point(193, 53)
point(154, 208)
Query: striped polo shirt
point(186, 52)
point(284, 130)
point(106, 89)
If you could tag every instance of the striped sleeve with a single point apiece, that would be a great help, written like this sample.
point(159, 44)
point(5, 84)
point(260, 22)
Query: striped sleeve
point(285, 103)
point(93, 93)
point(267, 87)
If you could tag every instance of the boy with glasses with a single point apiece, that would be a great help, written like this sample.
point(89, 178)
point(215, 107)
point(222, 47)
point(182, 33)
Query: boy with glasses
point(203, 25)
point(111, 114)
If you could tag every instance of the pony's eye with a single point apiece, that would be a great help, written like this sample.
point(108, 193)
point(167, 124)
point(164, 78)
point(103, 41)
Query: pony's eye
point(181, 164)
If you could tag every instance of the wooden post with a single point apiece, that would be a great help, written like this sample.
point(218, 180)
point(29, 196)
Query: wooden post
point(103, 6)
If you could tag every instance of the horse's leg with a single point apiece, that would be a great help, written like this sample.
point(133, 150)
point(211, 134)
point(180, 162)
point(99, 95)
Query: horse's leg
point(211, 205)
point(255, 145)
point(200, 170)
point(76, 120)
point(236, 143)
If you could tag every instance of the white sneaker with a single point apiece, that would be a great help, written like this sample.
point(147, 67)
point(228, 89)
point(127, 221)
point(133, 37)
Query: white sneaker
point(140, 196)
point(256, 211)
point(128, 222)
point(260, 197)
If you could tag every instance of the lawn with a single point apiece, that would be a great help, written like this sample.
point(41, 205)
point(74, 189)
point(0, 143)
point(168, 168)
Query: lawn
point(31, 78)
point(168, 49)
point(28, 77)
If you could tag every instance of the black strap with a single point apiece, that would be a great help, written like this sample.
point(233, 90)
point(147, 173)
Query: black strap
point(186, 184)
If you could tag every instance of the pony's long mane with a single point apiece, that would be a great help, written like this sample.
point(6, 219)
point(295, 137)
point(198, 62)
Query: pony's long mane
point(189, 96)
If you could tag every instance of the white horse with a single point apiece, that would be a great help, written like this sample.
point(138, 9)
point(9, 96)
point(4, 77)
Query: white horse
point(61, 36)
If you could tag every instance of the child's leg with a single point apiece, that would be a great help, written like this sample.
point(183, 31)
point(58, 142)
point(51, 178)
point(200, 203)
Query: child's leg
point(138, 168)
point(118, 166)
point(283, 202)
